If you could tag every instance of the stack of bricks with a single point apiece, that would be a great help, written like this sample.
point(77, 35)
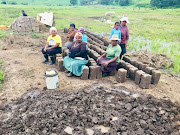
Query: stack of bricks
point(141, 73)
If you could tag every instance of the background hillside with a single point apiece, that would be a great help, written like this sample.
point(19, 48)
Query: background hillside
point(61, 2)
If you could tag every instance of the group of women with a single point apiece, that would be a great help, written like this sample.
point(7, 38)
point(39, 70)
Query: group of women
point(78, 48)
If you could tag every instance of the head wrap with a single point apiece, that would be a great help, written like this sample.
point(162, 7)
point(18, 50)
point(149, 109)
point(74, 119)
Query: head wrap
point(81, 29)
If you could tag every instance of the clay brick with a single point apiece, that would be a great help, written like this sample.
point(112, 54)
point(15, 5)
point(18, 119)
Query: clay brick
point(132, 72)
point(142, 66)
point(138, 76)
point(85, 73)
point(121, 75)
point(102, 51)
point(93, 63)
point(132, 61)
point(136, 64)
point(92, 72)
point(155, 76)
point(58, 55)
point(57, 58)
point(99, 72)
point(60, 64)
point(66, 52)
point(145, 81)
point(126, 59)
point(122, 64)
point(149, 70)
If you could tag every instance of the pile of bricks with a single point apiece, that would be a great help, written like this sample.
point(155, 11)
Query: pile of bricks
point(25, 24)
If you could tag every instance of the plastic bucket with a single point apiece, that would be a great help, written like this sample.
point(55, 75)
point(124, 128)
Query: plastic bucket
point(51, 79)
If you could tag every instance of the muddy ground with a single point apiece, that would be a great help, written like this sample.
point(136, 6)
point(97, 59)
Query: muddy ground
point(24, 70)
point(91, 110)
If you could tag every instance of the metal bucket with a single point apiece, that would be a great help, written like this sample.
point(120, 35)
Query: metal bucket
point(51, 79)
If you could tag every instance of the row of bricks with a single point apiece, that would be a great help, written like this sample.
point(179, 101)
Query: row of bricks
point(92, 36)
point(91, 72)
point(140, 66)
point(140, 77)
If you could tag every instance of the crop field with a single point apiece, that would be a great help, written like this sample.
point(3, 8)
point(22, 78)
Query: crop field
point(155, 30)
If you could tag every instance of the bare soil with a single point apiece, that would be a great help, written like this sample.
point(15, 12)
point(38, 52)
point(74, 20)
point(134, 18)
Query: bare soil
point(24, 70)
point(91, 110)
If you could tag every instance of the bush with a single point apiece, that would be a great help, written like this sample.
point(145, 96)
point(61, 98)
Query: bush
point(3, 2)
point(12, 3)
point(24, 3)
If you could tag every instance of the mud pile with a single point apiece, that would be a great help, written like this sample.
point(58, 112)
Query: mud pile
point(89, 111)
point(152, 59)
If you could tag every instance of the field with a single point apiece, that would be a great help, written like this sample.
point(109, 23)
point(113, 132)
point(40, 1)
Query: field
point(102, 105)
point(154, 30)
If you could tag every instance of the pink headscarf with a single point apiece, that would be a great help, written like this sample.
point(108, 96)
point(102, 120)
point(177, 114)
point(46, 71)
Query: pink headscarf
point(81, 29)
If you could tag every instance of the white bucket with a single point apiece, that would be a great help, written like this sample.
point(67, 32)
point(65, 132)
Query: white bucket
point(51, 79)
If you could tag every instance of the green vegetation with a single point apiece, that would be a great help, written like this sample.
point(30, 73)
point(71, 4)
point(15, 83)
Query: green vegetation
point(1, 75)
point(164, 3)
point(149, 29)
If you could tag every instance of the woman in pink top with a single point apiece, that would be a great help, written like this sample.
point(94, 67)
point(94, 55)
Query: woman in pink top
point(124, 34)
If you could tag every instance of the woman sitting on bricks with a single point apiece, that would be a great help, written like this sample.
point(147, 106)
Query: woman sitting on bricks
point(77, 59)
point(70, 36)
point(52, 47)
point(109, 60)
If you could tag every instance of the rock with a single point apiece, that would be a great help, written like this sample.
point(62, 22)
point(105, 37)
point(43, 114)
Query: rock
point(68, 130)
point(89, 131)
point(128, 106)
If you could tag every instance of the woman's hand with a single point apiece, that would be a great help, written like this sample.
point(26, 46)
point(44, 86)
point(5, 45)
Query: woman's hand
point(99, 58)
point(48, 48)
point(45, 49)
point(105, 64)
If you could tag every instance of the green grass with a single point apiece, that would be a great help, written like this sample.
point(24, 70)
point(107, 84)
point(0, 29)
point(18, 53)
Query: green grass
point(156, 26)
point(1, 75)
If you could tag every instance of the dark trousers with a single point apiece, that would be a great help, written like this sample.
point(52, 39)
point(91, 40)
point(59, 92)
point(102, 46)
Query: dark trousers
point(123, 49)
point(51, 52)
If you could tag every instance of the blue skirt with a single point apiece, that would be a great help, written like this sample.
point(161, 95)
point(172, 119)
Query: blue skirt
point(74, 65)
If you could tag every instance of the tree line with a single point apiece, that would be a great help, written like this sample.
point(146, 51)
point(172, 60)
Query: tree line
point(153, 3)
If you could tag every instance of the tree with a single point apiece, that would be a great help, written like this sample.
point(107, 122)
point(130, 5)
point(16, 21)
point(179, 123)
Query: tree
point(117, 1)
point(3, 2)
point(84, 2)
point(74, 2)
point(164, 3)
point(124, 2)
point(105, 2)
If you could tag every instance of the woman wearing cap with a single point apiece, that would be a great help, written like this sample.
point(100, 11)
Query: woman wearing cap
point(77, 58)
point(53, 46)
point(124, 34)
point(84, 37)
point(109, 60)
point(70, 36)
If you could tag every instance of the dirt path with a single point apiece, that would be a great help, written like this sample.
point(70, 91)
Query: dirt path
point(24, 71)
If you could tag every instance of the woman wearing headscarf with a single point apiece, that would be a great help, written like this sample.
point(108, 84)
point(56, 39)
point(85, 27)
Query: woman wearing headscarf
point(77, 58)
point(109, 60)
point(70, 36)
point(84, 37)
point(124, 34)
point(52, 47)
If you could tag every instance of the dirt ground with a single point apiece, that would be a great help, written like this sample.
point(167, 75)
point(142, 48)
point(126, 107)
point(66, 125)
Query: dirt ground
point(24, 70)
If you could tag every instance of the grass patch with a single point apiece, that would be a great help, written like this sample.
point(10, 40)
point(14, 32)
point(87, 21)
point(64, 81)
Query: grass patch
point(1, 74)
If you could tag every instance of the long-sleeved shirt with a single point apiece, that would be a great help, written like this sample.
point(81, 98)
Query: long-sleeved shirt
point(79, 50)
point(116, 32)
point(124, 33)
